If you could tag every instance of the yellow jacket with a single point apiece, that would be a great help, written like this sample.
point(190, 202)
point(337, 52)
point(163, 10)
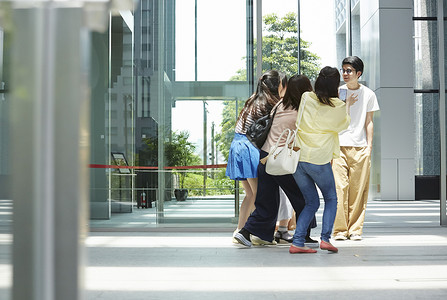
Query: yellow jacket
point(319, 127)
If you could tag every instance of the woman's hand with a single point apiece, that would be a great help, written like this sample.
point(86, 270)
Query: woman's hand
point(353, 98)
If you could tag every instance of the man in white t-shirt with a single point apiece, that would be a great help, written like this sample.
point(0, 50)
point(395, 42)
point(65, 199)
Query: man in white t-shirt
point(352, 169)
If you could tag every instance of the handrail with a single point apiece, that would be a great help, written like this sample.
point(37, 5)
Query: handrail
point(100, 166)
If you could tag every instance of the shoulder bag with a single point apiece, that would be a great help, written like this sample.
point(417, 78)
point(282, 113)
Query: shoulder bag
point(258, 131)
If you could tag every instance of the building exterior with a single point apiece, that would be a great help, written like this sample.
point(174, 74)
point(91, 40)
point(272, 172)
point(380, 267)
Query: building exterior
point(400, 66)
point(366, 33)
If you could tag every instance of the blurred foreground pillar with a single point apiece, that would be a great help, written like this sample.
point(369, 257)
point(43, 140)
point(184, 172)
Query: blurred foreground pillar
point(50, 141)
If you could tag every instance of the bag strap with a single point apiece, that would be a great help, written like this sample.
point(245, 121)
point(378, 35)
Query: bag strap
point(275, 108)
point(301, 113)
point(303, 103)
point(274, 113)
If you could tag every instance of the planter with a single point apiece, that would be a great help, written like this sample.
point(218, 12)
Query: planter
point(181, 194)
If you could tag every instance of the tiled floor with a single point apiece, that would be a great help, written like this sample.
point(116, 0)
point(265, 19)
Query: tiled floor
point(214, 212)
point(403, 256)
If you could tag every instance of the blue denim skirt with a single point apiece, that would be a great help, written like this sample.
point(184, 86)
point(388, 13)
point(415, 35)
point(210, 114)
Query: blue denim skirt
point(243, 159)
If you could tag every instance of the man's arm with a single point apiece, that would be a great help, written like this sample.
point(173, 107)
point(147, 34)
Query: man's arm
point(369, 127)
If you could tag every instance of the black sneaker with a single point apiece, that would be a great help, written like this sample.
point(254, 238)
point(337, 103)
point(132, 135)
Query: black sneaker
point(242, 240)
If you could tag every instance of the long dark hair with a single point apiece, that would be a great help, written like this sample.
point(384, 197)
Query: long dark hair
point(296, 87)
point(265, 96)
point(326, 85)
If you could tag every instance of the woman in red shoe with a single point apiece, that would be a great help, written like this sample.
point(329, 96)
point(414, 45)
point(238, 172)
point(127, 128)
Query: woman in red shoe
point(324, 116)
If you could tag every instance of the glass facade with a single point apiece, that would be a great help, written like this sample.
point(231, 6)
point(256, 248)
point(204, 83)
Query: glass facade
point(169, 81)
point(430, 97)
point(157, 108)
point(347, 27)
point(426, 85)
point(5, 168)
point(155, 76)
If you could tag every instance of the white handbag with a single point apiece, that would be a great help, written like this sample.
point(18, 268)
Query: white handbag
point(284, 160)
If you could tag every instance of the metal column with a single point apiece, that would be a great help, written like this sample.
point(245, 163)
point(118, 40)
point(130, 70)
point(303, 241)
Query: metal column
point(162, 128)
point(348, 29)
point(298, 22)
point(442, 118)
point(258, 39)
point(50, 146)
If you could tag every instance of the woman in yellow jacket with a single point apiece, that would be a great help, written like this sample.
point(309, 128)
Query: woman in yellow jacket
point(323, 117)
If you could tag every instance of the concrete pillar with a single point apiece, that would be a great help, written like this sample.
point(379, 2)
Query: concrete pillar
point(49, 143)
point(388, 58)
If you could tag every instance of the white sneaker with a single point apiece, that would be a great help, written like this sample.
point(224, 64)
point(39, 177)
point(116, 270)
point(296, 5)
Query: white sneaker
point(355, 237)
point(234, 233)
point(340, 237)
point(242, 240)
point(257, 241)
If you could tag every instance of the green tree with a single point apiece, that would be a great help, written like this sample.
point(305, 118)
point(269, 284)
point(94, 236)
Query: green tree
point(179, 152)
point(279, 52)
point(226, 134)
point(280, 47)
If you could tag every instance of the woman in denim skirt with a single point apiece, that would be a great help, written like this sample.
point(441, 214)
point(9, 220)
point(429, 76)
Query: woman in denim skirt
point(243, 158)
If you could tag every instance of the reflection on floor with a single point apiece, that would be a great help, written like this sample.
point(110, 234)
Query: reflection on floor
point(403, 255)
point(219, 213)
point(5, 215)
point(210, 211)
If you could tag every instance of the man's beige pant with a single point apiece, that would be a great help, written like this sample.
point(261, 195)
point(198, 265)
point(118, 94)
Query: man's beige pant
point(351, 173)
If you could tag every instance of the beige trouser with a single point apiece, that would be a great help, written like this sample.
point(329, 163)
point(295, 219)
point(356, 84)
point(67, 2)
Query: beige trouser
point(351, 173)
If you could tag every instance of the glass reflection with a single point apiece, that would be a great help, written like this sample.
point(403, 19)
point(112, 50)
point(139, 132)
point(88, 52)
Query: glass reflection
point(426, 55)
point(5, 193)
point(178, 79)
point(425, 8)
point(427, 145)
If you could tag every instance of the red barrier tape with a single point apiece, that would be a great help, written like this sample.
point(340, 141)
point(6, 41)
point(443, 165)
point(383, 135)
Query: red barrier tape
point(97, 166)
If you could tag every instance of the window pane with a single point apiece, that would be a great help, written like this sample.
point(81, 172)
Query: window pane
point(317, 42)
point(425, 8)
point(6, 203)
point(426, 55)
point(279, 47)
point(445, 48)
point(354, 2)
point(427, 146)
point(184, 41)
point(321, 40)
point(221, 39)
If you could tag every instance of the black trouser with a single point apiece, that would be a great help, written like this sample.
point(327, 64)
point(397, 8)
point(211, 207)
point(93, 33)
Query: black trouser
point(262, 221)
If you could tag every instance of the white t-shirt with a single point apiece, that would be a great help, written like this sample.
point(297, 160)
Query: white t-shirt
point(355, 135)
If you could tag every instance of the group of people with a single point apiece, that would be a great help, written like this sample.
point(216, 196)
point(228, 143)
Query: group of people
point(334, 135)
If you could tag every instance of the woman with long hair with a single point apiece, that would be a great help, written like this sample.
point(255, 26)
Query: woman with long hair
point(260, 226)
point(324, 116)
point(243, 158)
